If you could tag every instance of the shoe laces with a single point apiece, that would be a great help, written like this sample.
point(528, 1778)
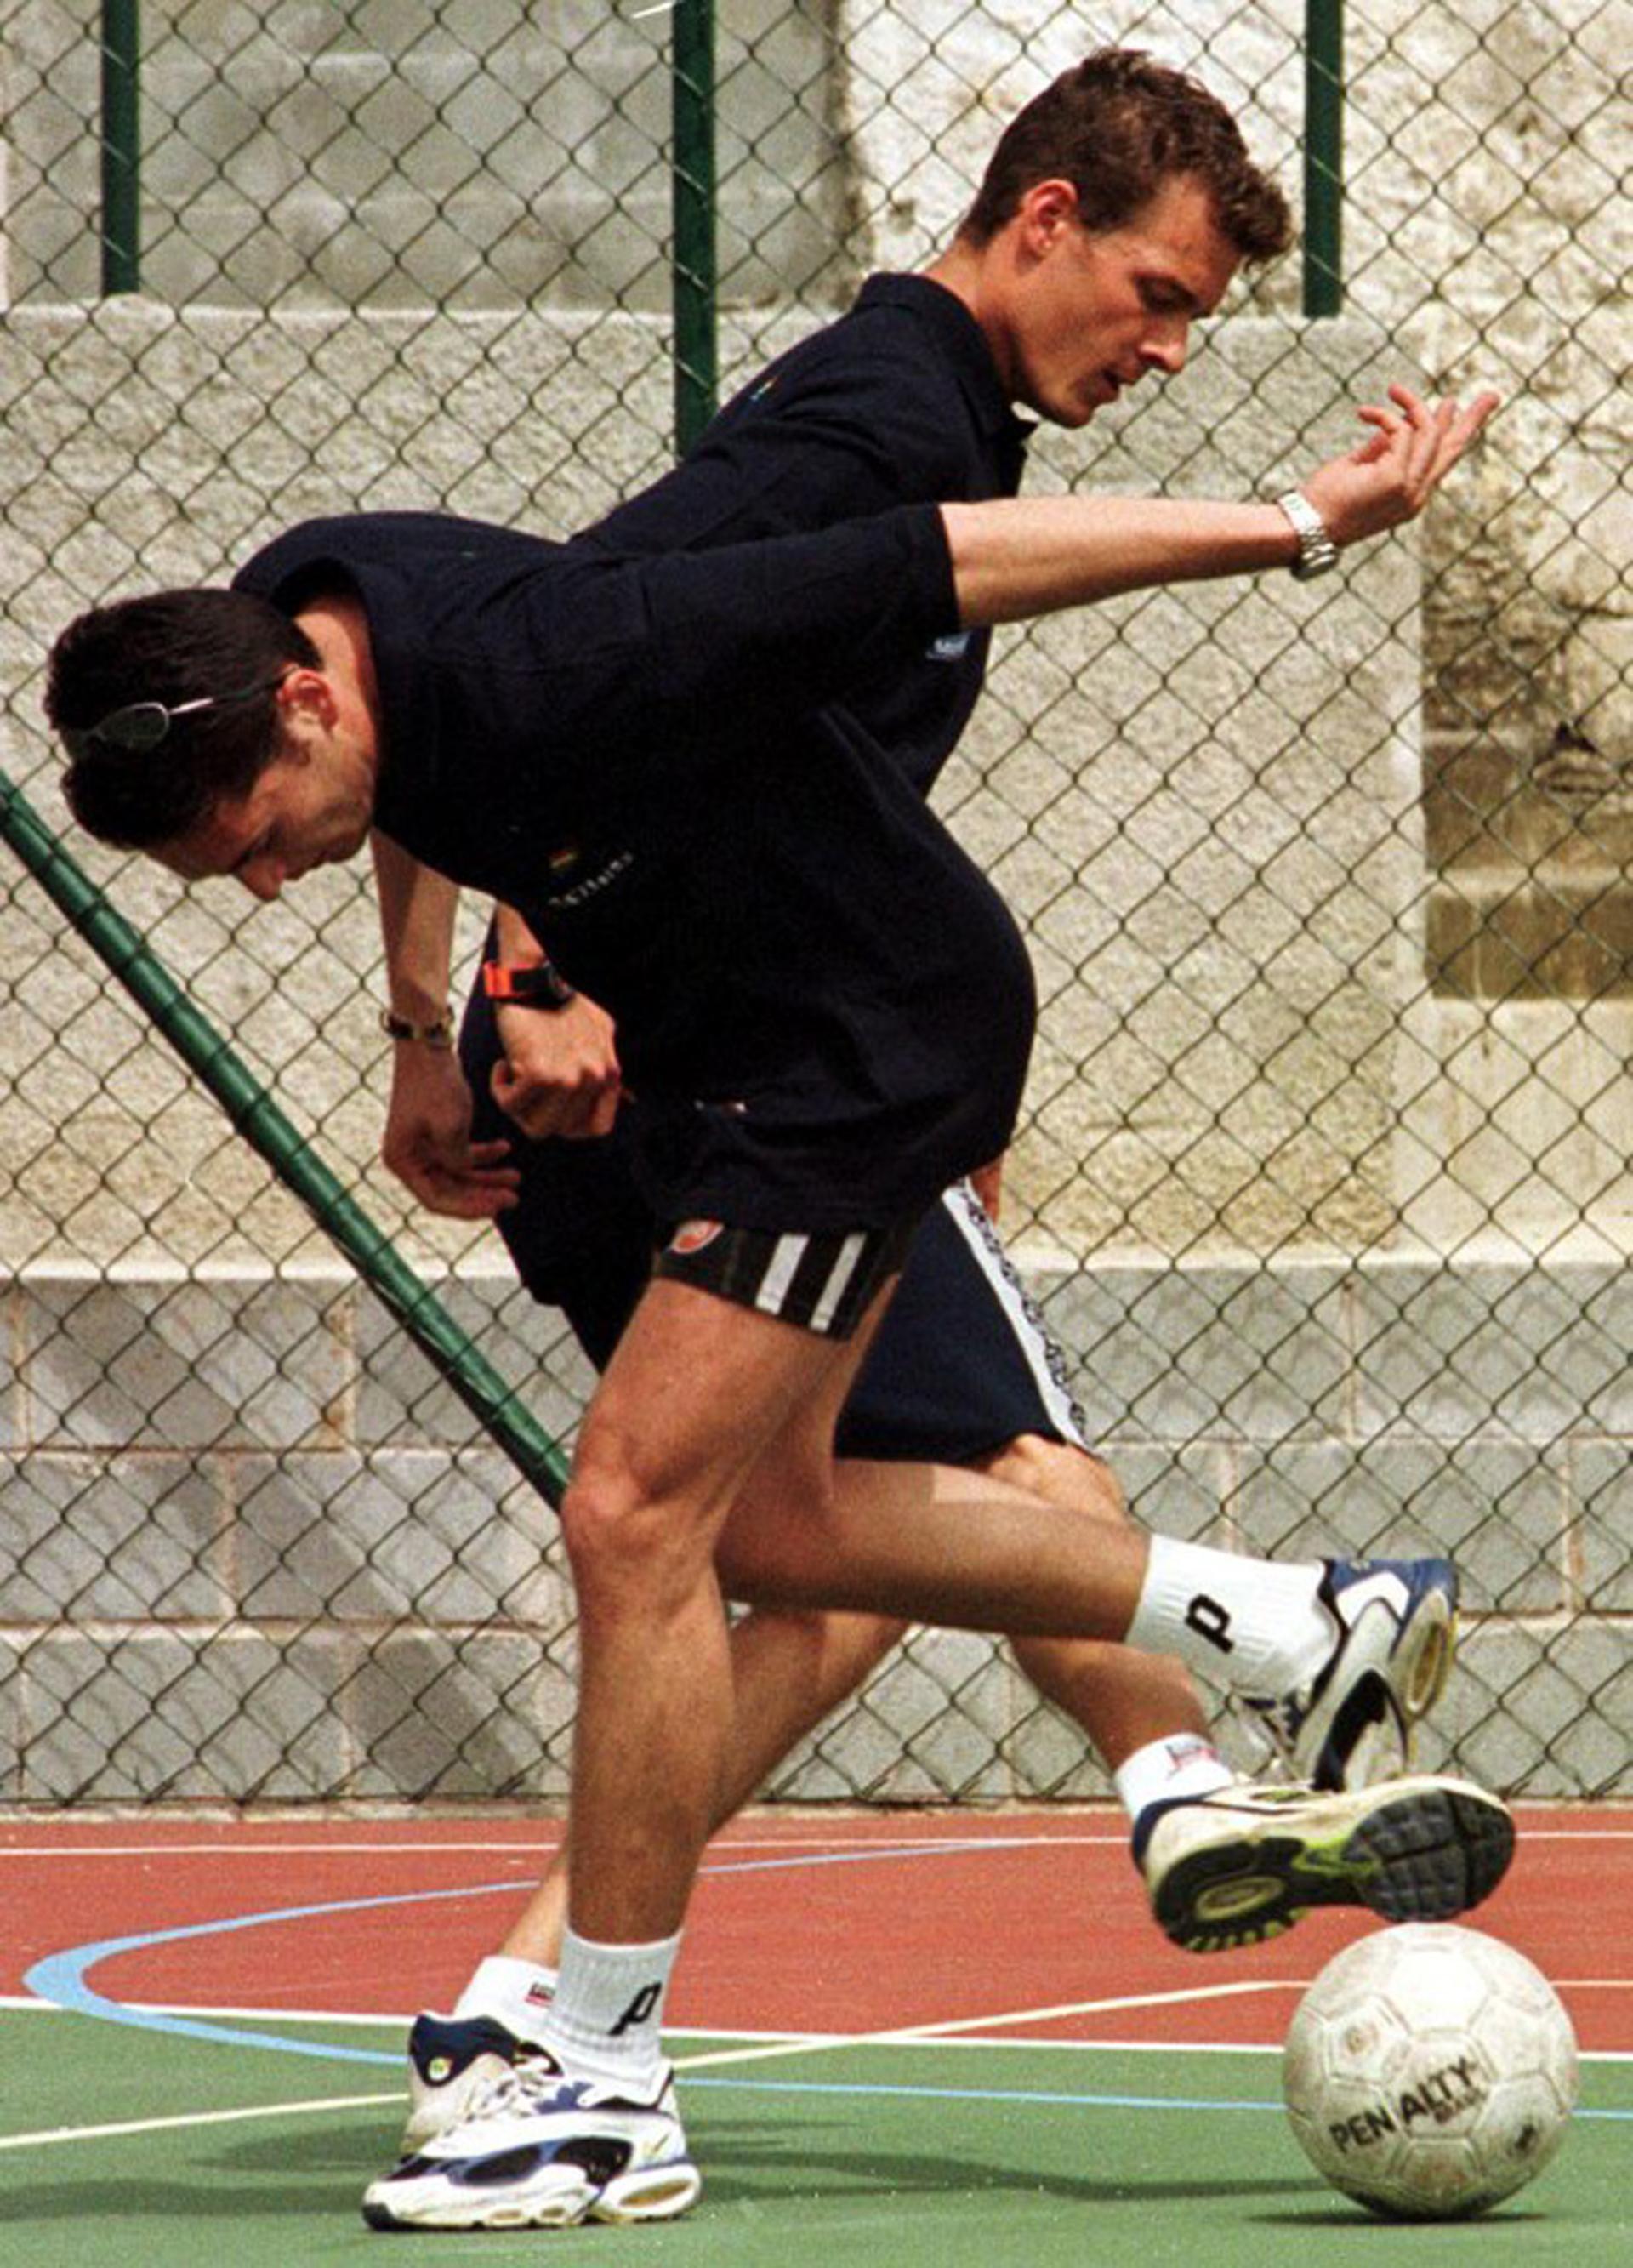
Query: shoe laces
point(533, 2082)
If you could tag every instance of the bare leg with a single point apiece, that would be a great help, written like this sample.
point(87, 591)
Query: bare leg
point(699, 1394)
point(933, 1543)
point(788, 1671)
point(1123, 1700)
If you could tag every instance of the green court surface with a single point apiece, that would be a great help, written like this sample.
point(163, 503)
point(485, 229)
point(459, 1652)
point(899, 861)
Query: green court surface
point(918, 2156)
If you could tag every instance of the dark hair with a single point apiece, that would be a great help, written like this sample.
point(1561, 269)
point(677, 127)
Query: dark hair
point(171, 647)
point(1116, 127)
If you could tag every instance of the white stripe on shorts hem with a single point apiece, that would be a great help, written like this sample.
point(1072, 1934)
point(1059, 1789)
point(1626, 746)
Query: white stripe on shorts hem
point(839, 1280)
point(789, 1252)
point(1033, 1341)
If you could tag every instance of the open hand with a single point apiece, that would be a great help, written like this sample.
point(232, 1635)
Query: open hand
point(1390, 477)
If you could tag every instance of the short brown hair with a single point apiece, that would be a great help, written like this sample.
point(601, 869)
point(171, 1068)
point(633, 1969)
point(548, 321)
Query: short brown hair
point(1116, 126)
point(171, 647)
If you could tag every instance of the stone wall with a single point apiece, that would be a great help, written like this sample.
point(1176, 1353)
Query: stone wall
point(1324, 1181)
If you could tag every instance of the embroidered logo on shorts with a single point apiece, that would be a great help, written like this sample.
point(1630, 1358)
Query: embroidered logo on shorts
point(693, 1236)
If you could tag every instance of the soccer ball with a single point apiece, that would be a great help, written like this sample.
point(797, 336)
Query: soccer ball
point(1430, 2072)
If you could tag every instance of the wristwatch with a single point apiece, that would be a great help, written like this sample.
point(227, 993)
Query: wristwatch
point(538, 985)
point(438, 1034)
point(1318, 554)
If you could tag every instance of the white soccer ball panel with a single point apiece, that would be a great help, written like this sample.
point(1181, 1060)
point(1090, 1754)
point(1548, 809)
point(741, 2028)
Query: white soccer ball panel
point(1430, 2070)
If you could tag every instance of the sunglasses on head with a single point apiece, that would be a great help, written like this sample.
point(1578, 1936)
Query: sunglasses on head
point(142, 725)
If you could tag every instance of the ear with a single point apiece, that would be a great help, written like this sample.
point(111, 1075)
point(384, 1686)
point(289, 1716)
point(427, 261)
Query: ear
point(1044, 213)
point(306, 702)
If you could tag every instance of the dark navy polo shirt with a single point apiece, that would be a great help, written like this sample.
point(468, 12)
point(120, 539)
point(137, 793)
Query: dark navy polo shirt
point(899, 402)
point(824, 1010)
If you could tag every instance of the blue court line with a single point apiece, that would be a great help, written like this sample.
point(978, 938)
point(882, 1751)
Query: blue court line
point(59, 1977)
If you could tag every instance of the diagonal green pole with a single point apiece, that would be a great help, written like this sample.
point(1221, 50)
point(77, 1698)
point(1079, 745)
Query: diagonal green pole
point(1323, 156)
point(290, 1156)
point(121, 146)
point(692, 194)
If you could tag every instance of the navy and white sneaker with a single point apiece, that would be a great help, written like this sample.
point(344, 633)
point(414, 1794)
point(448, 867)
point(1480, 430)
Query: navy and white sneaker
point(538, 2149)
point(1244, 1863)
point(450, 2059)
point(1395, 1624)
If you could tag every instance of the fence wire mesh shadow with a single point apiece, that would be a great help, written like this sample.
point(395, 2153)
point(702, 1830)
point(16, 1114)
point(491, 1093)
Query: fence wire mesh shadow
point(1323, 1182)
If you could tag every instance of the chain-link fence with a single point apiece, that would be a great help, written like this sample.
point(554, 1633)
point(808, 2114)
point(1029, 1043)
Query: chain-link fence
point(1324, 1178)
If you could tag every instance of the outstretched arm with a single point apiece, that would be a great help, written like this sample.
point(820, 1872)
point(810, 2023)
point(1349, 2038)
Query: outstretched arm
point(1035, 555)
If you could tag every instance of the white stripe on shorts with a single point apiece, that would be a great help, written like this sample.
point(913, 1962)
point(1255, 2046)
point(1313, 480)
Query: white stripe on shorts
point(839, 1281)
point(791, 1250)
point(1037, 1350)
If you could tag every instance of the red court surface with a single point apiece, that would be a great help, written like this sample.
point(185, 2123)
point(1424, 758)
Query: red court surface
point(1023, 1926)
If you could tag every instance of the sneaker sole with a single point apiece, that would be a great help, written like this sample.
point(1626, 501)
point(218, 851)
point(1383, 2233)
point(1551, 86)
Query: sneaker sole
point(652, 2193)
point(1423, 1854)
point(564, 2210)
point(1401, 1687)
point(1422, 1662)
point(660, 2193)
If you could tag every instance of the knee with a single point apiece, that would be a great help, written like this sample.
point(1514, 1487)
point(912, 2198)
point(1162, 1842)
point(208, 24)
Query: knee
point(626, 1547)
point(1062, 1474)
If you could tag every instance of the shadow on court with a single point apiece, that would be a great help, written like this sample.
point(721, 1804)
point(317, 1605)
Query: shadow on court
point(320, 2171)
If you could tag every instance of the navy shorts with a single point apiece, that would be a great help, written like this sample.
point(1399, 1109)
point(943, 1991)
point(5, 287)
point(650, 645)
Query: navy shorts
point(962, 1363)
point(824, 1283)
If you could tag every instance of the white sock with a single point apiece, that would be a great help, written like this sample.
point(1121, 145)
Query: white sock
point(607, 2018)
point(518, 1992)
point(1164, 1771)
point(1249, 1624)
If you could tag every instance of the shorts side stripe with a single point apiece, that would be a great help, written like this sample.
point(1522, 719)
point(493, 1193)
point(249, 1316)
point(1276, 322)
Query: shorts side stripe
point(1037, 1350)
point(840, 1278)
point(780, 1273)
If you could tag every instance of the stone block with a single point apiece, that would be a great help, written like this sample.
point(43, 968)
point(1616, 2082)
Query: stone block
point(1602, 1534)
point(476, 1714)
point(129, 1538)
point(1538, 1709)
point(172, 1362)
point(153, 1716)
point(1498, 1508)
point(402, 1399)
point(426, 1537)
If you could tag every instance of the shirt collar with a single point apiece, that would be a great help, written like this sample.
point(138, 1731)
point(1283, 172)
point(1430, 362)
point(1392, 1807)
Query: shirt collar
point(959, 337)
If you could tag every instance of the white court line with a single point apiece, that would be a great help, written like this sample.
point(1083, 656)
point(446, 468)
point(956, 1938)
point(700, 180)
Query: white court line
point(193, 2118)
point(804, 2044)
point(967, 1841)
point(906, 2035)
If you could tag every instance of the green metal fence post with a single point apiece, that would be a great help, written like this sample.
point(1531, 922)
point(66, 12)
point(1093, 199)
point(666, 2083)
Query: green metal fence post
point(696, 368)
point(1323, 156)
point(121, 146)
point(258, 1119)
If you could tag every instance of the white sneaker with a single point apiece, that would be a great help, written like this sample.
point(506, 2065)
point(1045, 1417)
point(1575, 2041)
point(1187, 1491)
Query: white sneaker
point(1246, 1863)
point(537, 2149)
point(450, 2059)
point(1395, 1625)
